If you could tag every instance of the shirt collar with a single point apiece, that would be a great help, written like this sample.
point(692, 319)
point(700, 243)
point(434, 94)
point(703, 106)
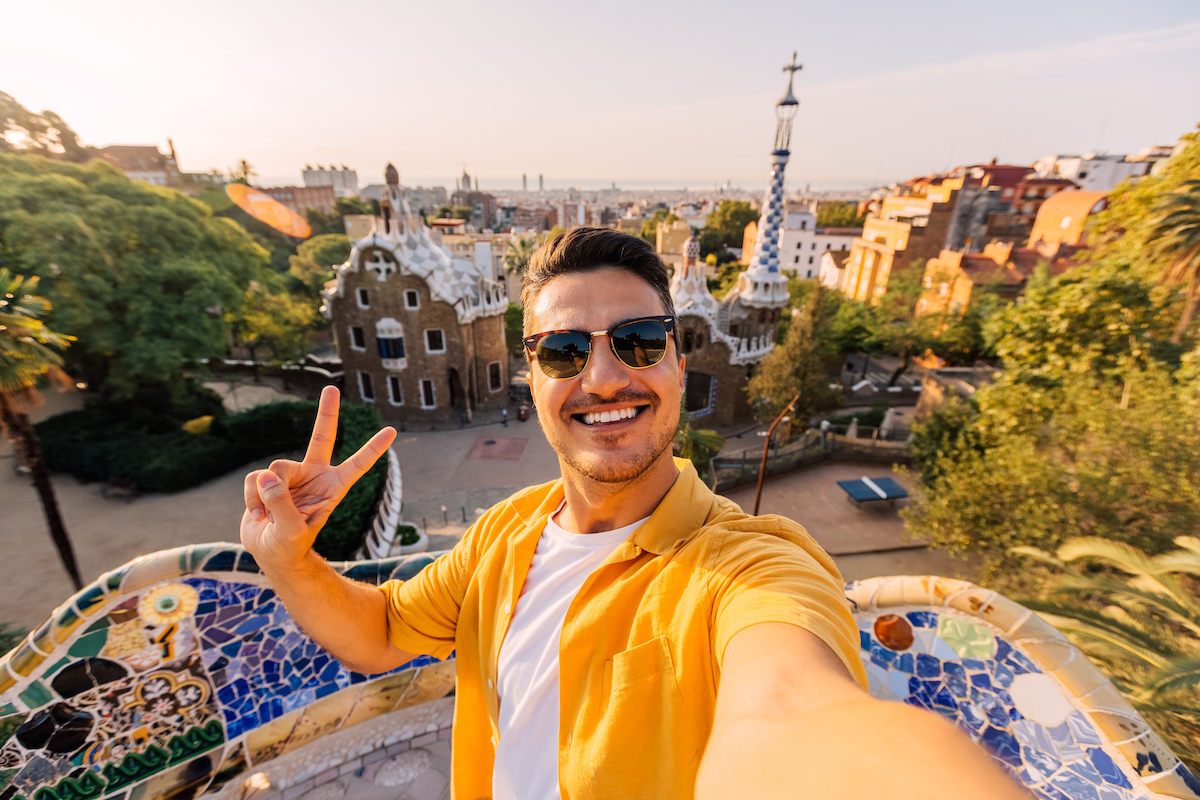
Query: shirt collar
point(681, 512)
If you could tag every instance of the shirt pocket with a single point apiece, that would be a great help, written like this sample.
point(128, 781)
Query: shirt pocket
point(638, 670)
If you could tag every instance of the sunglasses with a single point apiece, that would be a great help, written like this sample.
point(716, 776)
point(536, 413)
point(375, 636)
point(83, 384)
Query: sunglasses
point(639, 343)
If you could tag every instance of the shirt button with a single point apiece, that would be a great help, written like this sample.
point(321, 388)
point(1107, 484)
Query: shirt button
point(493, 741)
point(489, 683)
point(508, 608)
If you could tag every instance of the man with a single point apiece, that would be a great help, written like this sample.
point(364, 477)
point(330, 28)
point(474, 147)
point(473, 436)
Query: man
point(621, 632)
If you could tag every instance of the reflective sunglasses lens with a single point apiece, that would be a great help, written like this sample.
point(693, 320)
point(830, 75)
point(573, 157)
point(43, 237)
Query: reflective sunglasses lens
point(640, 344)
point(563, 355)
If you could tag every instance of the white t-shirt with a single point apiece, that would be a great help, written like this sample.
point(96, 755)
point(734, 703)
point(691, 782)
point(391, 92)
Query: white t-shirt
point(526, 766)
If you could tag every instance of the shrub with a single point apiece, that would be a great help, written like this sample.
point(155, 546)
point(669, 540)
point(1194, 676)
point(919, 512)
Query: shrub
point(408, 534)
point(343, 532)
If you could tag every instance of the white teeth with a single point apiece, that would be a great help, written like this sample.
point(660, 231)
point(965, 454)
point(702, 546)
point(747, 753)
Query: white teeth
point(591, 418)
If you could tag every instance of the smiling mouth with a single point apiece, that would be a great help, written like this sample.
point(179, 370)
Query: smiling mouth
point(608, 417)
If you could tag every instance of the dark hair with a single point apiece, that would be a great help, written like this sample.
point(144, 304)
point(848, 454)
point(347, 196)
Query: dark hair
point(588, 249)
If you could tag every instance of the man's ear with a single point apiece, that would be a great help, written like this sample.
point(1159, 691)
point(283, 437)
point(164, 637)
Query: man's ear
point(682, 371)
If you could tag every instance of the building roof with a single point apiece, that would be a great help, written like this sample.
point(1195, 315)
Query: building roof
point(135, 157)
point(447, 222)
point(1061, 217)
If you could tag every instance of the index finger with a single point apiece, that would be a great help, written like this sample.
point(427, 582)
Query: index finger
point(320, 446)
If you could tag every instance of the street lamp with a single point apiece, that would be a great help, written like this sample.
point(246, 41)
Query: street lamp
point(762, 469)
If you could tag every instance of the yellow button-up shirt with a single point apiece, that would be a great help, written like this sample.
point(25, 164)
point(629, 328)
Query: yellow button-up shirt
point(643, 640)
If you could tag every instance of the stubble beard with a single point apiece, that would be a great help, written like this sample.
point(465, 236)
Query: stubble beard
point(609, 467)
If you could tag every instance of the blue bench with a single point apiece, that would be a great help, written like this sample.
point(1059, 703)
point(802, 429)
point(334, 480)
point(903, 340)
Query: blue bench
point(867, 490)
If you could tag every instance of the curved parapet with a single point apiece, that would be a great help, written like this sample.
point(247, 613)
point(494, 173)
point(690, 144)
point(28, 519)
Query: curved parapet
point(181, 674)
point(181, 671)
point(1016, 685)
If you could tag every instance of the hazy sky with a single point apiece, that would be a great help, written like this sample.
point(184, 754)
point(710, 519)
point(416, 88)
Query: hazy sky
point(641, 93)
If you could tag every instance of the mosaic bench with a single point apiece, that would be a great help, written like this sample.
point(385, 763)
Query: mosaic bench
point(181, 675)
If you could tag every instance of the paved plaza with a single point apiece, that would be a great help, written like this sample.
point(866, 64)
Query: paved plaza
point(462, 470)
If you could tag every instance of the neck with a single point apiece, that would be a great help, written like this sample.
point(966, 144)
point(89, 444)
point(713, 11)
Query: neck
point(593, 507)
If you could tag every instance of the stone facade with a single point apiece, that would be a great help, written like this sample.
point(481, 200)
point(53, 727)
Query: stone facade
point(420, 332)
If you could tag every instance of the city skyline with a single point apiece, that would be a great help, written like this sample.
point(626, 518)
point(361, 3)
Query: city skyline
point(506, 94)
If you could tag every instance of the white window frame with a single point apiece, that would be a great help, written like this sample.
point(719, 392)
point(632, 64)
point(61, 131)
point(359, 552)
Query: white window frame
point(432, 393)
point(413, 293)
point(354, 346)
point(426, 337)
point(363, 374)
point(392, 395)
point(359, 293)
point(489, 372)
point(389, 328)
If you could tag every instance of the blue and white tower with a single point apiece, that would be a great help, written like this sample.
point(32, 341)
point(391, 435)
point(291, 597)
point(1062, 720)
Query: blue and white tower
point(762, 285)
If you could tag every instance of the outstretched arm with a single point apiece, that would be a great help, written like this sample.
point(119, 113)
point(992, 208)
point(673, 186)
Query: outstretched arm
point(790, 722)
point(286, 506)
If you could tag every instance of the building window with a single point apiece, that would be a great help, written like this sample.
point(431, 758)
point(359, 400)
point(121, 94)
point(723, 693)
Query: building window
point(395, 391)
point(391, 348)
point(364, 387)
point(810, 259)
point(797, 259)
point(799, 245)
point(814, 246)
point(435, 341)
point(412, 299)
point(358, 339)
point(495, 378)
point(427, 399)
point(808, 274)
point(828, 246)
point(698, 392)
point(803, 224)
point(364, 298)
point(699, 341)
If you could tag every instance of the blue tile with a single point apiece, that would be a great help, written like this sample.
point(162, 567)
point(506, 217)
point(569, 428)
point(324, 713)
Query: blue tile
point(956, 685)
point(1189, 780)
point(905, 663)
point(1074, 786)
point(1019, 663)
point(221, 561)
point(1043, 762)
point(1003, 674)
point(1003, 745)
point(928, 666)
point(945, 700)
point(1002, 649)
point(1081, 729)
point(922, 619)
point(955, 669)
point(1107, 769)
point(974, 664)
point(971, 715)
point(981, 681)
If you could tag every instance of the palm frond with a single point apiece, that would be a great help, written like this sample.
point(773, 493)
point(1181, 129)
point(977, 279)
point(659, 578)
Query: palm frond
point(1178, 607)
point(1179, 674)
point(1091, 622)
point(1036, 553)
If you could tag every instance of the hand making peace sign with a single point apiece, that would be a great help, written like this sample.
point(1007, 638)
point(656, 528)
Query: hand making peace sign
point(287, 504)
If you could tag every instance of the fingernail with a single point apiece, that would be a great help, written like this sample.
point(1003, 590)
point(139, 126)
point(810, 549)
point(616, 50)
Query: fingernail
point(257, 513)
point(267, 480)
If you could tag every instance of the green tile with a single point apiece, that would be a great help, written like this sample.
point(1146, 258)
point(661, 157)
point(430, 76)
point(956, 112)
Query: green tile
point(7, 710)
point(89, 646)
point(62, 662)
point(98, 625)
point(36, 694)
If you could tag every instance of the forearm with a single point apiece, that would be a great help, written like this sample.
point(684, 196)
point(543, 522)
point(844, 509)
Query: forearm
point(347, 618)
point(861, 748)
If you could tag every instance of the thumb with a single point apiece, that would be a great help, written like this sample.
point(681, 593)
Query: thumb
point(278, 500)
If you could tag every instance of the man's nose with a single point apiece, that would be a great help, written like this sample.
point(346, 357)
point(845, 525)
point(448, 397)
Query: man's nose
point(604, 374)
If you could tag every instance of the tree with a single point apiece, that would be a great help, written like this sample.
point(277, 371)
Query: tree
point(242, 172)
point(695, 444)
point(462, 212)
point(1138, 618)
point(520, 249)
point(901, 330)
point(1175, 239)
point(316, 259)
point(27, 353)
point(514, 329)
point(844, 215)
point(275, 320)
point(798, 366)
point(45, 134)
point(141, 274)
point(650, 226)
point(726, 226)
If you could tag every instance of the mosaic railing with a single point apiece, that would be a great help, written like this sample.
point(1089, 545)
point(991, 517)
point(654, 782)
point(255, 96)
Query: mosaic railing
point(181, 674)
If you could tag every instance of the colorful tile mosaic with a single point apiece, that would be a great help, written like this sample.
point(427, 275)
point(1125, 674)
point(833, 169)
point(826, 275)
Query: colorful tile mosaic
point(182, 672)
point(175, 674)
point(1015, 685)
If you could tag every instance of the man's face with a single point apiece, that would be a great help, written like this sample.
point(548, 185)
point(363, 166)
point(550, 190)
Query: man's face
point(647, 399)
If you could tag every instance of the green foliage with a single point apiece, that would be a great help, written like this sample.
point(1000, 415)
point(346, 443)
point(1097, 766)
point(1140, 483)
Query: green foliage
point(27, 347)
point(344, 531)
point(938, 441)
point(10, 637)
point(138, 273)
point(514, 329)
point(797, 366)
point(408, 534)
point(316, 259)
point(855, 328)
point(520, 251)
point(45, 134)
point(242, 172)
point(1138, 618)
point(726, 226)
point(872, 418)
point(696, 444)
point(840, 216)
point(462, 212)
point(650, 226)
point(275, 321)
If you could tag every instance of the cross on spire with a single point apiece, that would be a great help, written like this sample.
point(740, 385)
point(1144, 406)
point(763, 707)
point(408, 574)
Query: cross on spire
point(792, 67)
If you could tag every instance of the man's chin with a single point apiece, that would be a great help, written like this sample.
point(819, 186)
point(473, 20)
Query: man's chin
point(613, 466)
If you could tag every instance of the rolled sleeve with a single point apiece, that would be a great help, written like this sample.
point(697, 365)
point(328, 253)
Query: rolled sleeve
point(775, 577)
point(422, 612)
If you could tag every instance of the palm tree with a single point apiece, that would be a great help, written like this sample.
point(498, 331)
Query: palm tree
point(1139, 619)
point(1175, 238)
point(695, 444)
point(520, 250)
point(27, 352)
